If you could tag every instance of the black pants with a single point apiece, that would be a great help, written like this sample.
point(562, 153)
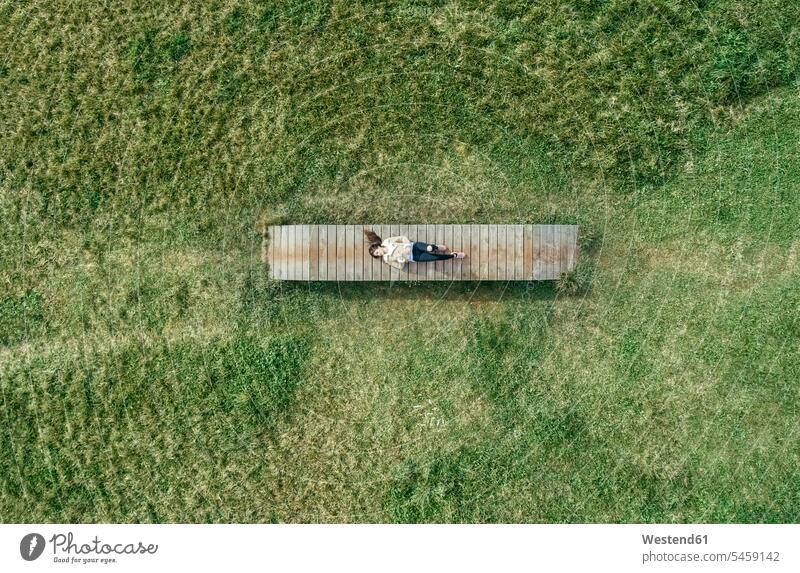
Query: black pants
point(420, 254)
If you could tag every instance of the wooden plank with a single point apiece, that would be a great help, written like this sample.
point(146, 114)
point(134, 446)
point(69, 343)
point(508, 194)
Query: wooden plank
point(370, 263)
point(322, 252)
point(509, 270)
point(297, 253)
point(288, 253)
point(502, 253)
point(547, 251)
point(286, 269)
point(563, 248)
point(276, 253)
point(358, 254)
point(302, 261)
point(483, 253)
point(471, 258)
point(327, 264)
point(307, 252)
point(475, 246)
point(330, 251)
point(556, 254)
point(448, 240)
point(361, 246)
point(491, 263)
point(527, 252)
point(472, 246)
point(519, 252)
point(512, 252)
point(547, 245)
point(282, 252)
point(349, 253)
point(284, 259)
point(551, 252)
point(313, 247)
point(345, 257)
point(545, 268)
point(307, 242)
point(456, 246)
point(339, 243)
point(302, 253)
point(505, 266)
point(536, 252)
point(542, 236)
point(279, 252)
point(366, 260)
point(271, 252)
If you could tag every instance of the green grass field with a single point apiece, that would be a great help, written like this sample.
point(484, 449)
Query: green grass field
point(149, 372)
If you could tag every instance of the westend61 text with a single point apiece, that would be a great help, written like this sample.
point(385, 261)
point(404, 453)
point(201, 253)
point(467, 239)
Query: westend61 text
point(66, 545)
point(675, 540)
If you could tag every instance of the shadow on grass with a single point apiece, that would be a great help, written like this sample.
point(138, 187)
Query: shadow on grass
point(408, 290)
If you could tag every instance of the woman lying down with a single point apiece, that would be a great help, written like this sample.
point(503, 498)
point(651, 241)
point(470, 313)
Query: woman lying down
point(397, 251)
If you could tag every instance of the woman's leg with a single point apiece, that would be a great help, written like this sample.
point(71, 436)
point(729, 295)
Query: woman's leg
point(429, 257)
point(420, 254)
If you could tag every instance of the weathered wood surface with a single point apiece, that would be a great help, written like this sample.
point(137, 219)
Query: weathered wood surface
point(494, 252)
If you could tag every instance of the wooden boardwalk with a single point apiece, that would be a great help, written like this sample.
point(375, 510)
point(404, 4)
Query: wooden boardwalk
point(494, 252)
